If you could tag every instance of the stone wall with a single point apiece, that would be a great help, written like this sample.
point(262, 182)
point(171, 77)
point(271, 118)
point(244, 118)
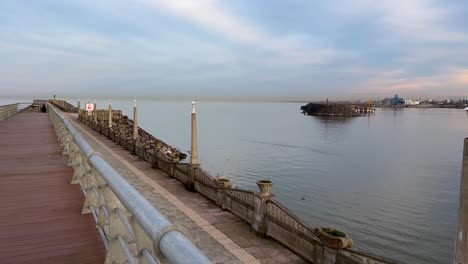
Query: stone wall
point(267, 216)
point(121, 133)
point(7, 111)
point(64, 105)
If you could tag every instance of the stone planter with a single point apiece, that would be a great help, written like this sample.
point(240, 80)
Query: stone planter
point(223, 183)
point(333, 238)
point(265, 187)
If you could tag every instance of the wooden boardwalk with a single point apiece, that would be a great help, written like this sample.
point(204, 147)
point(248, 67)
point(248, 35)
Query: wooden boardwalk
point(40, 211)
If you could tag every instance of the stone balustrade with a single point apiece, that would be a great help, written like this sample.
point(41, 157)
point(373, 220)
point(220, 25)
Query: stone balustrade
point(132, 230)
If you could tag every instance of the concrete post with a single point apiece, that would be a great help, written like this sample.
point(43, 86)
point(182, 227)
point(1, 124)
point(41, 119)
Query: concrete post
point(95, 112)
point(194, 144)
point(461, 243)
point(259, 223)
point(194, 163)
point(135, 121)
point(110, 115)
point(135, 126)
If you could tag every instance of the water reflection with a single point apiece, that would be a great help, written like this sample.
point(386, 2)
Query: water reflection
point(334, 119)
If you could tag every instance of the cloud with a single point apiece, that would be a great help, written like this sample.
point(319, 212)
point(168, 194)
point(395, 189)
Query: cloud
point(450, 81)
point(460, 77)
point(415, 20)
point(207, 46)
point(214, 17)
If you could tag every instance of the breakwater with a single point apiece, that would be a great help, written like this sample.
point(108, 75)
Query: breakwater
point(64, 105)
point(261, 209)
point(328, 110)
point(121, 132)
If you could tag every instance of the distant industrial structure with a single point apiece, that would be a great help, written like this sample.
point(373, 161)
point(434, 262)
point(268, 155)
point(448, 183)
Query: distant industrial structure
point(393, 102)
point(396, 101)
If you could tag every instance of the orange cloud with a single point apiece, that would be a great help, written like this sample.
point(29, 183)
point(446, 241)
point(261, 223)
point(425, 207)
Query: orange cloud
point(461, 77)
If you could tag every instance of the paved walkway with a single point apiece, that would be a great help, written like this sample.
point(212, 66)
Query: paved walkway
point(40, 211)
point(221, 236)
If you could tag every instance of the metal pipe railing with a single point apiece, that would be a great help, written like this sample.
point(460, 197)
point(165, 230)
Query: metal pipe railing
point(122, 214)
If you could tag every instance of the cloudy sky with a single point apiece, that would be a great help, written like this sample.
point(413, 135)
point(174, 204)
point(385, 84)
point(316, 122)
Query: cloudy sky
point(270, 48)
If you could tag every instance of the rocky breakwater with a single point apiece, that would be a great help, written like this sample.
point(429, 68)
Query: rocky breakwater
point(328, 110)
point(121, 133)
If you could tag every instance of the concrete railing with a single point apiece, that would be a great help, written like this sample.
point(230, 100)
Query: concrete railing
point(7, 111)
point(267, 216)
point(132, 230)
point(64, 105)
point(461, 242)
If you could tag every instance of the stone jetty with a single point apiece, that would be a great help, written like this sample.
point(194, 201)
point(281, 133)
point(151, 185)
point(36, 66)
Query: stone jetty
point(329, 110)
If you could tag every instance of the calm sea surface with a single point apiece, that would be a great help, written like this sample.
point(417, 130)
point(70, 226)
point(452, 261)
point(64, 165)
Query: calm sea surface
point(391, 180)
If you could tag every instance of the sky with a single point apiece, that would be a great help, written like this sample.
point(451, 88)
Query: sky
point(242, 48)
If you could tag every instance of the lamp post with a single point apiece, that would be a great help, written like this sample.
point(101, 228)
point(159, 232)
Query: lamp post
point(194, 145)
point(95, 112)
point(135, 125)
point(135, 121)
point(110, 115)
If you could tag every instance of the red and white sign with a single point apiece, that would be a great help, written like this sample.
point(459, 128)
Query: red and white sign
point(89, 107)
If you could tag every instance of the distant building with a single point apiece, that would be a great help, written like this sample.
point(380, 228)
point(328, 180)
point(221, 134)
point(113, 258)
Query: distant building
point(398, 101)
point(386, 102)
point(412, 102)
point(395, 101)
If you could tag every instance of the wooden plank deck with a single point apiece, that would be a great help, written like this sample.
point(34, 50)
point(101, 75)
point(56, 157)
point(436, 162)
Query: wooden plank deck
point(40, 211)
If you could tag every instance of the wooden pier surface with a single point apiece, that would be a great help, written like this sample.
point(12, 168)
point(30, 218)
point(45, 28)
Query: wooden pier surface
point(40, 211)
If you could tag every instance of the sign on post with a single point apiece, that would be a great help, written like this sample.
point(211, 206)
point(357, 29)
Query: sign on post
point(89, 108)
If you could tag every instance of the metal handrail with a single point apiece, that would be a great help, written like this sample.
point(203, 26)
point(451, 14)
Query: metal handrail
point(96, 177)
